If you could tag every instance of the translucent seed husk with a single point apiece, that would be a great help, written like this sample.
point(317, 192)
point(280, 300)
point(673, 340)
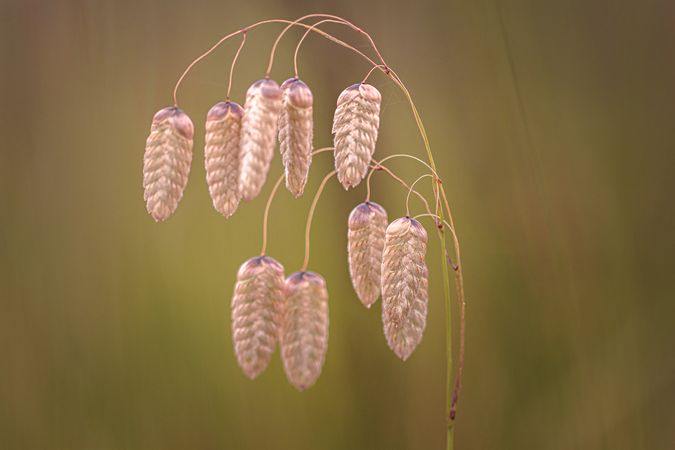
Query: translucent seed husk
point(404, 285)
point(365, 241)
point(257, 305)
point(221, 155)
point(258, 136)
point(166, 162)
point(304, 332)
point(355, 127)
point(295, 134)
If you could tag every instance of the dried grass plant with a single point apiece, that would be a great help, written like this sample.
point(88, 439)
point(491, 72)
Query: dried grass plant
point(355, 126)
point(166, 164)
point(304, 330)
point(221, 155)
point(296, 127)
point(258, 136)
point(404, 285)
point(257, 306)
point(365, 243)
point(239, 147)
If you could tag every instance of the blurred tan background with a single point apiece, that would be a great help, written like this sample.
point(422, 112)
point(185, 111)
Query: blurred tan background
point(553, 126)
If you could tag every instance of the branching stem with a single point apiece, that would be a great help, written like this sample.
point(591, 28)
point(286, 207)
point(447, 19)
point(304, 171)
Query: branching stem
point(407, 197)
point(234, 62)
point(328, 16)
point(257, 24)
point(302, 39)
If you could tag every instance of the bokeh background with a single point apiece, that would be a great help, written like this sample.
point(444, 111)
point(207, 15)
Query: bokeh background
point(552, 125)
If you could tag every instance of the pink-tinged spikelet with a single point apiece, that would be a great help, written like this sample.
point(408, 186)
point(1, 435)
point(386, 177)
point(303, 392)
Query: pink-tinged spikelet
point(221, 155)
point(365, 241)
point(258, 136)
point(166, 163)
point(304, 331)
point(256, 311)
point(355, 126)
point(404, 285)
point(295, 134)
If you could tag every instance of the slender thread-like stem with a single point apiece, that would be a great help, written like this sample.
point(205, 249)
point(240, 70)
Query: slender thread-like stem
point(328, 36)
point(310, 216)
point(379, 166)
point(405, 155)
point(329, 16)
point(435, 216)
point(273, 193)
point(407, 197)
point(302, 39)
point(234, 62)
point(373, 69)
point(459, 284)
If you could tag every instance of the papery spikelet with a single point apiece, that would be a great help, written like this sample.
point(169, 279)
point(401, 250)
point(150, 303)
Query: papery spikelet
point(355, 126)
point(304, 331)
point(221, 155)
point(258, 136)
point(367, 225)
point(166, 163)
point(256, 307)
point(404, 285)
point(295, 134)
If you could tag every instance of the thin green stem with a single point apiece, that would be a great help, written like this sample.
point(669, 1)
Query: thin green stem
point(452, 390)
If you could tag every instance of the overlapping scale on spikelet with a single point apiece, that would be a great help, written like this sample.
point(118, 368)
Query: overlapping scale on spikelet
point(304, 332)
point(256, 313)
point(166, 162)
point(355, 127)
point(258, 135)
point(295, 134)
point(365, 241)
point(404, 285)
point(221, 155)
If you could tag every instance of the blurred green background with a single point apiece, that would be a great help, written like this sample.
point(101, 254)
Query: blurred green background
point(552, 125)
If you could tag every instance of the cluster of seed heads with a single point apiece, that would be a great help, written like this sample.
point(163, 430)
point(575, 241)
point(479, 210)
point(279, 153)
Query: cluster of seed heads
point(267, 307)
point(386, 259)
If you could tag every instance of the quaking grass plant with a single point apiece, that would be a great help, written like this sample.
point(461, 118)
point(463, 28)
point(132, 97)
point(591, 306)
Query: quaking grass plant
point(385, 259)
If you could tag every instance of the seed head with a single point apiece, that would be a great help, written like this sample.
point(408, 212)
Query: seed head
point(404, 285)
point(166, 163)
point(304, 332)
point(355, 126)
point(256, 311)
point(221, 155)
point(295, 134)
point(367, 225)
point(258, 136)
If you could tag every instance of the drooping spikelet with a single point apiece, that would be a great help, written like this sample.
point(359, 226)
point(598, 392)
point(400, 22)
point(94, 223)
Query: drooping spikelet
point(404, 285)
point(256, 311)
point(221, 155)
point(355, 126)
point(304, 331)
point(295, 134)
point(367, 225)
point(166, 163)
point(258, 136)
